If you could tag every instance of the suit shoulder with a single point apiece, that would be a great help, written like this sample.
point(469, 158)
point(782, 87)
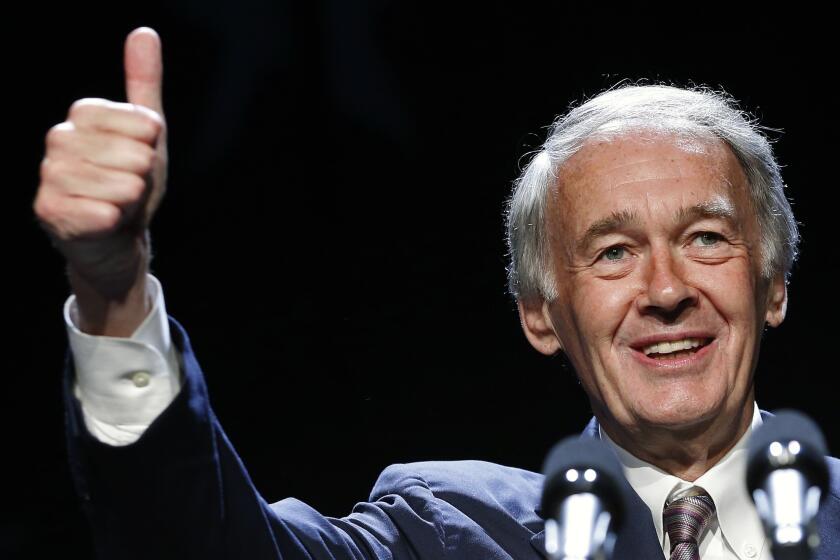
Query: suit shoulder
point(468, 486)
point(833, 477)
point(458, 475)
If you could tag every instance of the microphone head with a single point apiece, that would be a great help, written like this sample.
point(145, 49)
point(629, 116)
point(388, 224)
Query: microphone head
point(788, 440)
point(583, 465)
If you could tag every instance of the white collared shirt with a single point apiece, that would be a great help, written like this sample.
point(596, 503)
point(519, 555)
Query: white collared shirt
point(736, 532)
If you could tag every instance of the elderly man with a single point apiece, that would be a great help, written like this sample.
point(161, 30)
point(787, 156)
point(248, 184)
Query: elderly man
point(651, 241)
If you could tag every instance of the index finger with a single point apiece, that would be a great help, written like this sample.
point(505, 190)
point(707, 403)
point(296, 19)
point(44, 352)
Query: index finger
point(135, 121)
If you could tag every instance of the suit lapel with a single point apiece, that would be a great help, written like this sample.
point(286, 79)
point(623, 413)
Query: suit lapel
point(538, 542)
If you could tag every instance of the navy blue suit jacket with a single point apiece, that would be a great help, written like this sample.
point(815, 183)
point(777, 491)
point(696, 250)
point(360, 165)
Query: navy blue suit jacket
point(181, 492)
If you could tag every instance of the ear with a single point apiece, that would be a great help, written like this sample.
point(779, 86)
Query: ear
point(539, 330)
point(776, 301)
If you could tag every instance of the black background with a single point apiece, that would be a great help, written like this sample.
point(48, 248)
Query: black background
point(332, 237)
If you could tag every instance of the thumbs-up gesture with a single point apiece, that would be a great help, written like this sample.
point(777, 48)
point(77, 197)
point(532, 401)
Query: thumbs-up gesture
point(102, 178)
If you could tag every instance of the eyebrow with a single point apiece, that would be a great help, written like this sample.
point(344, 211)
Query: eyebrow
point(718, 208)
point(616, 221)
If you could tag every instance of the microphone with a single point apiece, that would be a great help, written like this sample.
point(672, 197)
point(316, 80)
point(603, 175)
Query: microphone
point(787, 478)
point(583, 500)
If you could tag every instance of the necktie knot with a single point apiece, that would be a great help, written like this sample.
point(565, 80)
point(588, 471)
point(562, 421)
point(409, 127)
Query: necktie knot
point(685, 520)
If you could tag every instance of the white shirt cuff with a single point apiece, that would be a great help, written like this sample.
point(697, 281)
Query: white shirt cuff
point(123, 384)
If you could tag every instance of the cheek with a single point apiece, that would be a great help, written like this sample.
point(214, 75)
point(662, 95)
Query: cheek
point(733, 292)
point(599, 307)
point(603, 302)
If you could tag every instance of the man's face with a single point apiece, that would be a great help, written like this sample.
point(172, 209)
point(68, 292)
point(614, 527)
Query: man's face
point(661, 305)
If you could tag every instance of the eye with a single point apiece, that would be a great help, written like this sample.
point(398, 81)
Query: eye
point(707, 239)
point(614, 253)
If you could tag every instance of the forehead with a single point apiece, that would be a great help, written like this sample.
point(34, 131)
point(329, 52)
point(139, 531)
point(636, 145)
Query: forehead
point(653, 176)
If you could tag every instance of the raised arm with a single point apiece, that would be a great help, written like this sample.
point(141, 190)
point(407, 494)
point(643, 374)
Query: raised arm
point(174, 487)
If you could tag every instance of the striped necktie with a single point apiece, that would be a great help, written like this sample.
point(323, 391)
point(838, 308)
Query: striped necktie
point(685, 519)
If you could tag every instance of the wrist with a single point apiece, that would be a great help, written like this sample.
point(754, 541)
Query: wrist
point(113, 303)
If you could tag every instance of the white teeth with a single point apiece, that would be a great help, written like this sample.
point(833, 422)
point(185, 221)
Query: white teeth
point(674, 346)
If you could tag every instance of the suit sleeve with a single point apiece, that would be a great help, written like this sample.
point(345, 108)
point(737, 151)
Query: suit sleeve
point(181, 491)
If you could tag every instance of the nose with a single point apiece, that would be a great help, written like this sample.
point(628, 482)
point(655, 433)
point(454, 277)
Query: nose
point(666, 292)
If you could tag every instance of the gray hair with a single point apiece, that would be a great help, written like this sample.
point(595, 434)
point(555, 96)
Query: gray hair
point(696, 113)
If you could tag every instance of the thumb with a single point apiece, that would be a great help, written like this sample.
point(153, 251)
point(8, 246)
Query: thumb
point(143, 69)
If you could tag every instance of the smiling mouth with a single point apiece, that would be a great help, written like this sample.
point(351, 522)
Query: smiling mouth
point(675, 349)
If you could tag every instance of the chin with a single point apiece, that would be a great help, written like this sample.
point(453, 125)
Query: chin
point(678, 413)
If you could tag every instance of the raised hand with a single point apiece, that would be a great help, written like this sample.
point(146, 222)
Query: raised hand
point(102, 179)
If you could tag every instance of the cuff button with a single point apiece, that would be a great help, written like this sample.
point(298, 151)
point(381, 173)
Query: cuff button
point(141, 378)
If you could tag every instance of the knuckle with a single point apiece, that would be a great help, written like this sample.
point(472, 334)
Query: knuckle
point(59, 135)
point(50, 170)
point(153, 128)
point(148, 113)
point(147, 158)
point(45, 208)
point(44, 169)
point(83, 107)
point(92, 109)
point(106, 217)
point(152, 121)
point(134, 188)
point(38, 206)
